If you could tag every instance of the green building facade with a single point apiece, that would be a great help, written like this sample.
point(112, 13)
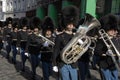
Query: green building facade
point(115, 8)
point(96, 8)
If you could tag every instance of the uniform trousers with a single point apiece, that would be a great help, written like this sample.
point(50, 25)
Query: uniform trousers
point(8, 49)
point(34, 62)
point(23, 57)
point(68, 73)
point(109, 74)
point(47, 69)
point(83, 69)
point(1, 45)
point(14, 51)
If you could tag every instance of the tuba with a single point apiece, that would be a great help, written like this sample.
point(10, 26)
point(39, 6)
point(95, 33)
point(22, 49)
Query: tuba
point(80, 43)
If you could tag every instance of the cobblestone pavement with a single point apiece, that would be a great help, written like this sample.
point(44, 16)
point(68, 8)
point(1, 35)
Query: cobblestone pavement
point(9, 71)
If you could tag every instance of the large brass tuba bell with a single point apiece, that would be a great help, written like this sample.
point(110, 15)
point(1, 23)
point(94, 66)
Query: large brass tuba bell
point(80, 43)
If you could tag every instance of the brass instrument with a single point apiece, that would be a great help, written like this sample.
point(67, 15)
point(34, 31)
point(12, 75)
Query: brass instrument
point(80, 43)
point(44, 38)
point(92, 47)
point(105, 37)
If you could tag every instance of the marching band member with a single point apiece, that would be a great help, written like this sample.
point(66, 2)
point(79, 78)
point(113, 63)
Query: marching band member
point(116, 40)
point(22, 40)
point(6, 35)
point(34, 44)
point(83, 62)
point(106, 64)
point(1, 36)
point(70, 17)
point(47, 48)
point(14, 40)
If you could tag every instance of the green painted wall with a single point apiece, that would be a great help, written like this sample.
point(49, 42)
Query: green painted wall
point(52, 12)
point(40, 13)
point(115, 8)
point(66, 3)
point(82, 8)
point(91, 7)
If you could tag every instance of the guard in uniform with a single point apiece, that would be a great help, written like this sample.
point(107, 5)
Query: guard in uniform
point(14, 40)
point(22, 40)
point(83, 61)
point(6, 35)
point(34, 44)
point(106, 64)
point(70, 17)
point(1, 35)
point(47, 48)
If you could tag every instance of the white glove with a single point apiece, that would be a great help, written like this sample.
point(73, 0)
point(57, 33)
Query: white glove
point(109, 52)
point(26, 54)
point(46, 44)
point(55, 68)
point(17, 48)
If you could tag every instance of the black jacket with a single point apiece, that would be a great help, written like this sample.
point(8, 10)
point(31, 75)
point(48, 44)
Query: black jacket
point(6, 34)
point(106, 61)
point(34, 44)
point(60, 42)
point(85, 57)
point(14, 38)
point(47, 51)
point(1, 36)
point(1, 39)
point(22, 39)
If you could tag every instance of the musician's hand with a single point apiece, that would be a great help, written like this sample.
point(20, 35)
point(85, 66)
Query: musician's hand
point(109, 53)
point(46, 44)
point(26, 54)
point(55, 68)
point(17, 48)
point(103, 54)
point(80, 41)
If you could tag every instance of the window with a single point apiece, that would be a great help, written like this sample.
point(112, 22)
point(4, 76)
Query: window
point(0, 6)
point(115, 6)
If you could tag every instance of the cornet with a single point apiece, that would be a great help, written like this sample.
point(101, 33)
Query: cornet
point(106, 39)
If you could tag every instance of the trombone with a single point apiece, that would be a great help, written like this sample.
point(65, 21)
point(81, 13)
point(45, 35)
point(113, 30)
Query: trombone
point(51, 42)
point(105, 37)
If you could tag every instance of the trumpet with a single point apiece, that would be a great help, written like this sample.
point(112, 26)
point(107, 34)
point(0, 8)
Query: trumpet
point(106, 39)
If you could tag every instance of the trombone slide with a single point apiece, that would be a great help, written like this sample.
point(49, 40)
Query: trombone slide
point(106, 39)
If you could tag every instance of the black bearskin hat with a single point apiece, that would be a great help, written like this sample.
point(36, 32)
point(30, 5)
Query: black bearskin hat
point(9, 20)
point(47, 25)
point(24, 22)
point(15, 25)
point(70, 14)
point(35, 22)
point(109, 22)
